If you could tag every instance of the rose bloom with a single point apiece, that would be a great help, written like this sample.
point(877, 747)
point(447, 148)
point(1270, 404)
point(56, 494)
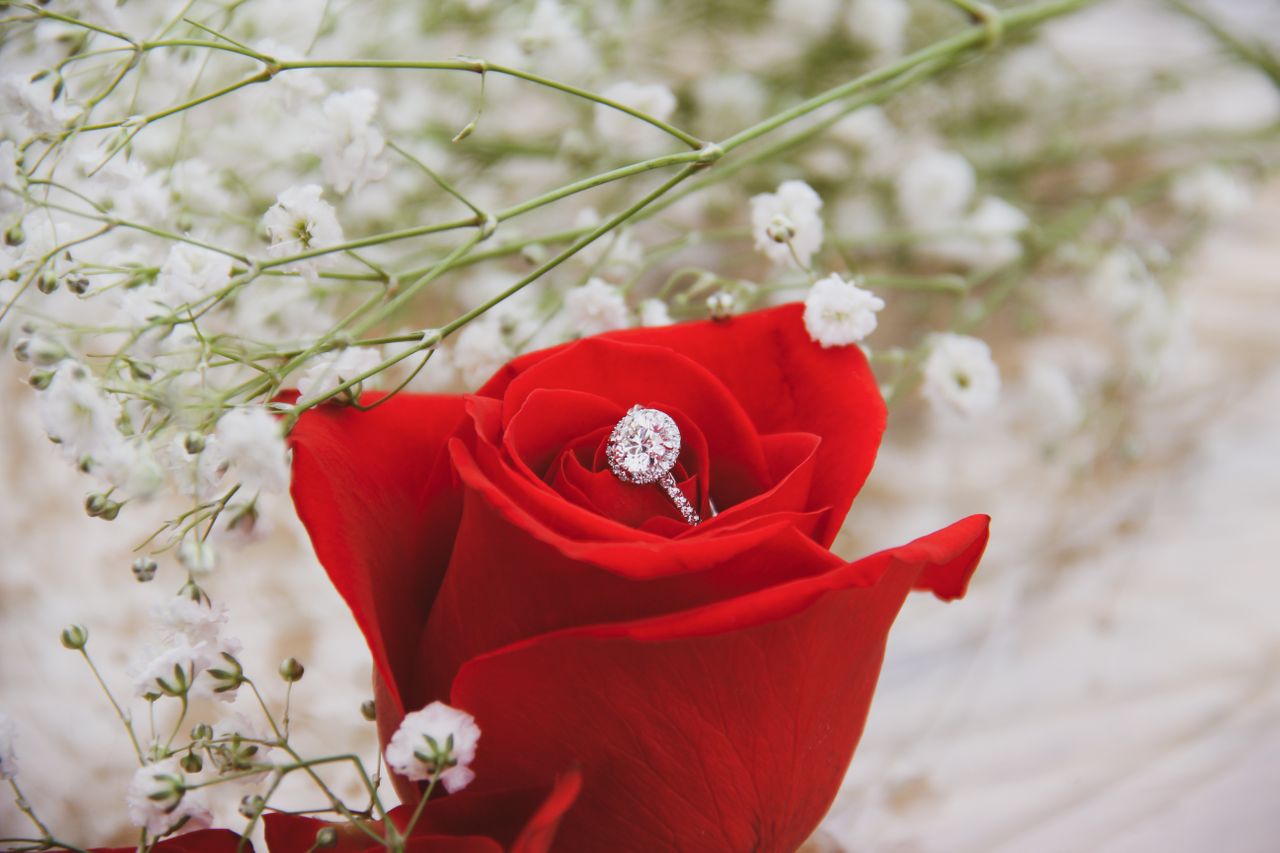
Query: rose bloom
point(709, 684)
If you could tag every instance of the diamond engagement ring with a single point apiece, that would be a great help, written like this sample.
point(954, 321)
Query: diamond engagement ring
point(643, 449)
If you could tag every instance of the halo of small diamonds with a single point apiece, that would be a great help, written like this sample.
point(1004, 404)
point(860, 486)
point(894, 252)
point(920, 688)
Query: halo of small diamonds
point(643, 446)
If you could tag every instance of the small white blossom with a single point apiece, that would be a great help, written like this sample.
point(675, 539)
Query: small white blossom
point(985, 238)
point(27, 108)
point(796, 206)
point(190, 273)
point(654, 312)
point(625, 131)
point(350, 145)
point(596, 307)
point(934, 189)
point(614, 253)
point(959, 375)
point(158, 800)
point(130, 466)
point(251, 441)
point(721, 305)
point(199, 621)
point(1210, 191)
point(301, 221)
point(839, 312)
point(1030, 73)
point(435, 741)
point(77, 415)
point(197, 187)
point(197, 555)
point(333, 369)
point(134, 192)
point(879, 24)
point(1052, 398)
point(298, 87)
point(8, 753)
point(480, 350)
point(552, 35)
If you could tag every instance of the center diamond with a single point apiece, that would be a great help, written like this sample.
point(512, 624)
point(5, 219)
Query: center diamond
point(643, 446)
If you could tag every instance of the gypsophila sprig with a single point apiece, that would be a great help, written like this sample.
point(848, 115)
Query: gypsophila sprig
point(435, 743)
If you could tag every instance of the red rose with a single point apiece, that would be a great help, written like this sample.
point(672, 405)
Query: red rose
point(711, 682)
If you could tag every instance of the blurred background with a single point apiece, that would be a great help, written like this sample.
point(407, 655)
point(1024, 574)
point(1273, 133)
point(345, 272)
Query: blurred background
point(1112, 680)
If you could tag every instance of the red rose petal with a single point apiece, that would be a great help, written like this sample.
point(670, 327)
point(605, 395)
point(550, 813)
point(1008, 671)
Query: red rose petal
point(203, 841)
point(728, 727)
point(784, 381)
point(377, 497)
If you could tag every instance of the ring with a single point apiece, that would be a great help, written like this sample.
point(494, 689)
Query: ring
point(643, 449)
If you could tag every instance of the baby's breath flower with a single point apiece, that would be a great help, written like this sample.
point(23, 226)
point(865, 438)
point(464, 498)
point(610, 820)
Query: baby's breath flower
point(624, 131)
point(839, 312)
point(1210, 191)
point(301, 221)
point(654, 312)
point(159, 800)
point(190, 273)
point(435, 742)
point(481, 349)
point(787, 224)
point(77, 415)
point(331, 370)
point(251, 441)
point(596, 307)
point(348, 142)
point(935, 188)
point(197, 555)
point(959, 375)
point(879, 24)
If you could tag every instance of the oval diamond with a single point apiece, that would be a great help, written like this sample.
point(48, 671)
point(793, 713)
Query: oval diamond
point(643, 446)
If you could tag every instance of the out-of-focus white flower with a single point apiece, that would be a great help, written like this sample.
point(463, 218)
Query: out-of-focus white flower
point(328, 371)
point(190, 273)
point(301, 220)
point(1121, 284)
point(596, 307)
point(869, 131)
point(654, 312)
point(1030, 73)
point(130, 466)
point(197, 187)
point(839, 313)
point(197, 555)
point(480, 350)
point(158, 800)
point(812, 17)
point(960, 376)
point(987, 237)
point(296, 87)
point(879, 24)
point(625, 131)
point(1052, 398)
point(729, 101)
point(26, 108)
point(199, 621)
point(934, 188)
point(792, 211)
point(133, 191)
point(437, 741)
point(1210, 191)
point(350, 145)
point(552, 35)
point(195, 475)
point(8, 751)
point(77, 415)
point(251, 441)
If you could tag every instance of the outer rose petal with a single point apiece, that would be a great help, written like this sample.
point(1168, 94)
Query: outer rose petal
point(204, 841)
point(514, 821)
point(728, 727)
point(377, 496)
point(785, 382)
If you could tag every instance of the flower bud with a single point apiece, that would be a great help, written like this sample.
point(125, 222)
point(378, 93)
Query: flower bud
point(75, 637)
point(229, 678)
point(40, 379)
point(193, 442)
point(721, 304)
point(22, 350)
point(47, 282)
point(15, 236)
point(94, 504)
point(140, 371)
point(201, 732)
point(144, 569)
point(326, 837)
point(369, 710)
point(251, 805)
point(79, 285)
point(178, 685)
point(191, 763)
point(781, 229)
point(291, 670)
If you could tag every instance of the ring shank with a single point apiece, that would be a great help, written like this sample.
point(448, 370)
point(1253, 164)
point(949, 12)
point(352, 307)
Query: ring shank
point(668, 483)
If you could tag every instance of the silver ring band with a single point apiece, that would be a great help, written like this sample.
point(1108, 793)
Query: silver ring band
point(643, 448)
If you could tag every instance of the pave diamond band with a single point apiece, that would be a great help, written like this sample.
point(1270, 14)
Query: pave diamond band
point(643, 448)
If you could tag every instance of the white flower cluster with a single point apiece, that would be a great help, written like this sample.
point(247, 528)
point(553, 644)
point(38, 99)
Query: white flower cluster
point(839, 313)
point(436, 742)
point(787, 224)
point(192, 654)
point(159, 801)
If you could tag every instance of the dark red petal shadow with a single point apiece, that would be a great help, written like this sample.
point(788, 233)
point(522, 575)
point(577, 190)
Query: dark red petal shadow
point(203, 841)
